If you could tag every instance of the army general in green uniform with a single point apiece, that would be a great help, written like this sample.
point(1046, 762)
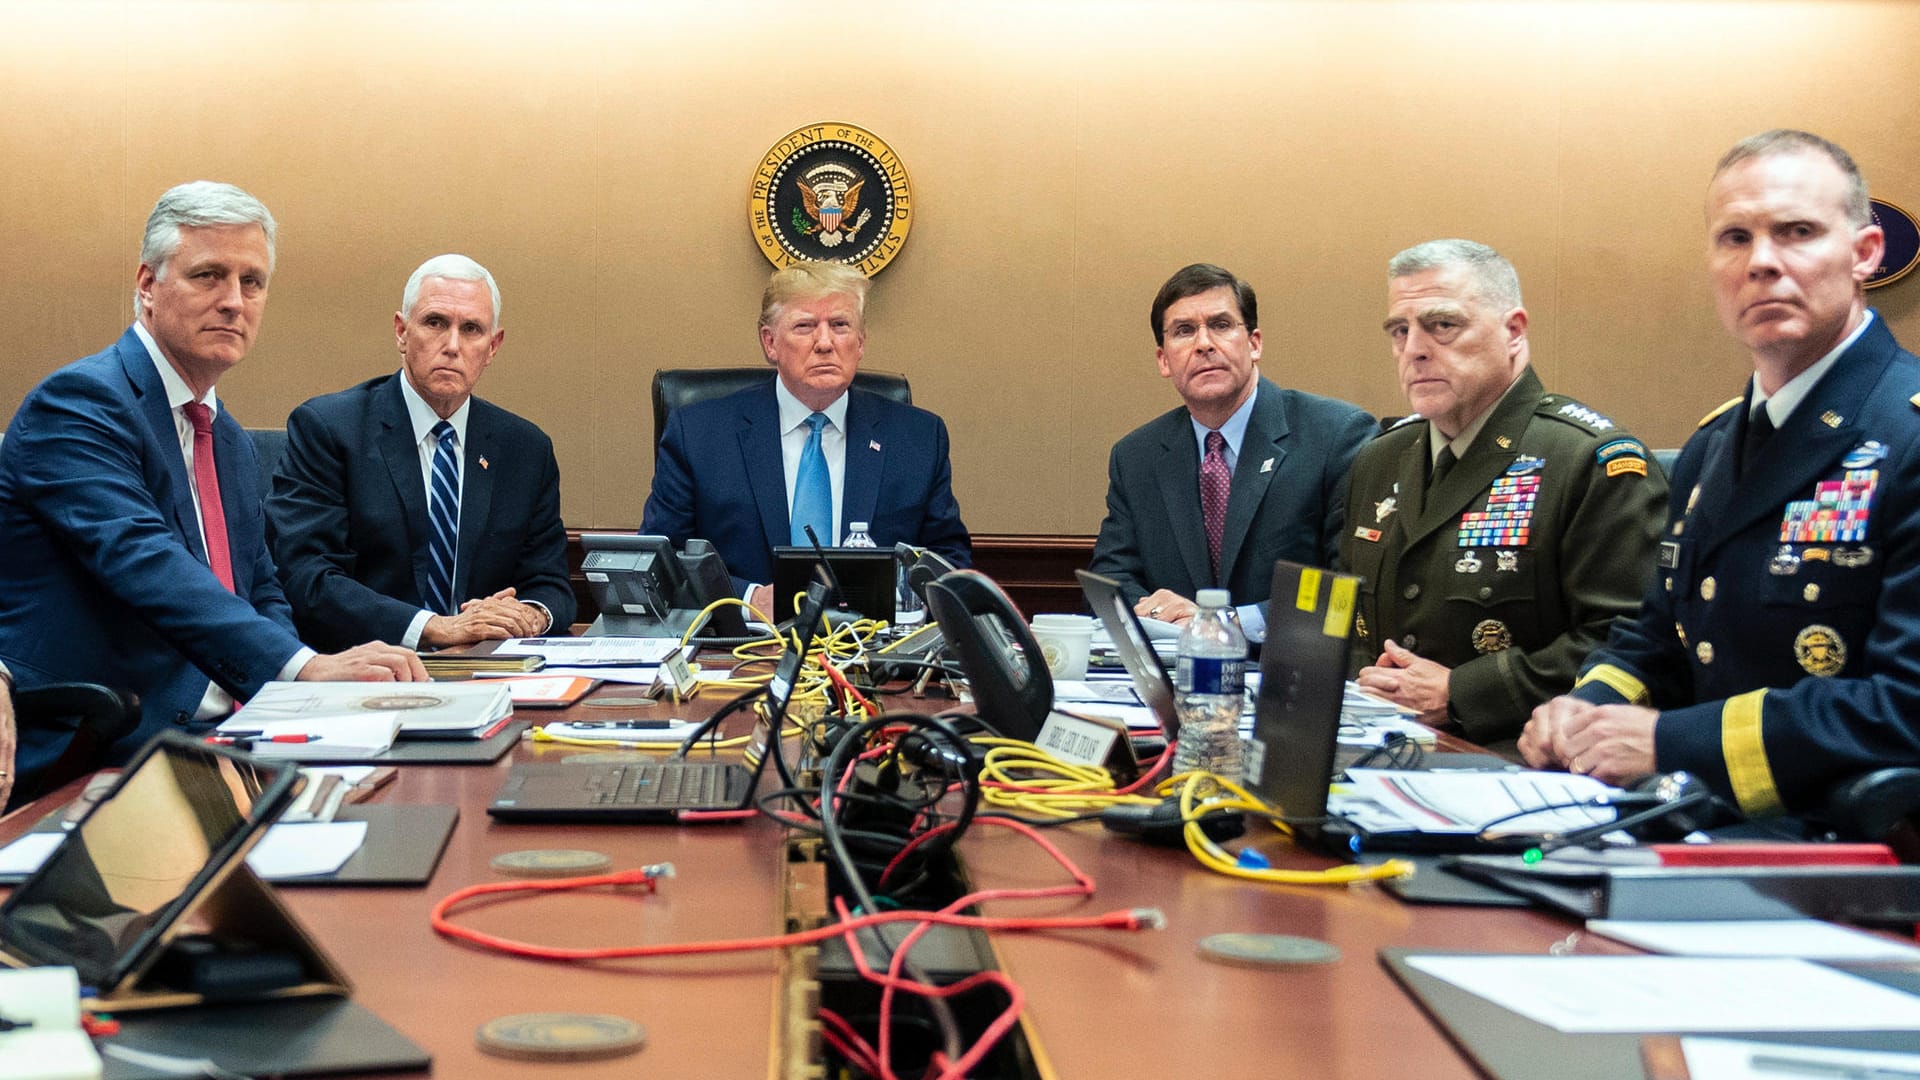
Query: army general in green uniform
point(1501, 528)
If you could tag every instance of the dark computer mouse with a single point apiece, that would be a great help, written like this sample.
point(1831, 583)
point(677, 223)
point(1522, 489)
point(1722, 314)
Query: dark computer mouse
point(1161, 824)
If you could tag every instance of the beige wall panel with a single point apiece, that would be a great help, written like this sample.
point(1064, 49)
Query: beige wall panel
point(1065, 157)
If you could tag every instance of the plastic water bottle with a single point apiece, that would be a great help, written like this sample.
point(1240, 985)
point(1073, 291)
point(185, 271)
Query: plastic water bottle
point(1210, 686)
point(857, 536)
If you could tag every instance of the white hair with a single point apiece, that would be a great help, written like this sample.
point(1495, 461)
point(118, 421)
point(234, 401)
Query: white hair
point(449, 268)
point(196, 205)
point(1493, 276)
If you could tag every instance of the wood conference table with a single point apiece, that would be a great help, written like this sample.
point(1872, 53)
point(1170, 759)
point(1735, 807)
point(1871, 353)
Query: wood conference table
point(1099, 1003)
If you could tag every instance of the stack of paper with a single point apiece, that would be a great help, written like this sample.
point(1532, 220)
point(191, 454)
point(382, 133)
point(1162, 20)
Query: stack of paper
point(49, 1043)
point(316, 737)
point(590, 651)
point(423, 710)
point(1392, 800)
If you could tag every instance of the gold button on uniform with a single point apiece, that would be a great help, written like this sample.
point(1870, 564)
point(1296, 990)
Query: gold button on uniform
point(1706, 588)
point(1811, 592)
point(1704, 651)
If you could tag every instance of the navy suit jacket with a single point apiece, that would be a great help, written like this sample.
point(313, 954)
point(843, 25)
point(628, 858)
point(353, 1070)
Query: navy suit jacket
point(1288, 499)
point(348, 516)
point(719, 476)
point(105, 577)
point(1784, 668)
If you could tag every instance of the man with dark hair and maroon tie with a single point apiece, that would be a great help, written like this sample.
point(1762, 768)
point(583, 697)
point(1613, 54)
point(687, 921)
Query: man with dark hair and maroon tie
point(130, 506)
point(1243, 473)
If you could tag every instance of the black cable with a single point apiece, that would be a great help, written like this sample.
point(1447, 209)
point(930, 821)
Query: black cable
point(712, 723)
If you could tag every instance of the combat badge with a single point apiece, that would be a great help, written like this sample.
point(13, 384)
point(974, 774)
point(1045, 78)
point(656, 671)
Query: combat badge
point(1384, 509)
point(1820, 650)
point(1784, 563)
point(1864, 455)
point(1467, 564)
point(1852, 558)
point(1490, 636)
point(830, 191)
point(1507, 562)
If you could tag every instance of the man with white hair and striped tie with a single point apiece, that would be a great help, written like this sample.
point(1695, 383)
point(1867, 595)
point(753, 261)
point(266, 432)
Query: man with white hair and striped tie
point(408, 510)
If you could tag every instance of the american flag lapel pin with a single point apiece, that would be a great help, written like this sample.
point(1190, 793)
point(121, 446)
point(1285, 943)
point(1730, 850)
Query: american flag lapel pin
point(873, 445)
point(483, 461)
point(1266, 466)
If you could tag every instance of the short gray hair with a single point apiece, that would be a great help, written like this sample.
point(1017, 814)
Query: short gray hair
point(1494, 278)
point(196, 205)
point(449, 268)
point(1791, 141)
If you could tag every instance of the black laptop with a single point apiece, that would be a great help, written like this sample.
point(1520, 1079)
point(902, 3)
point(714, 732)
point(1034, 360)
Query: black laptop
point(648, 791)
point(1296, 726)
point(1133, 647)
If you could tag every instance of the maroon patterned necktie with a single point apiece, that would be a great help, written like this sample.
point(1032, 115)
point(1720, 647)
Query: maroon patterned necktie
point(1216, 483)
point(213, 515)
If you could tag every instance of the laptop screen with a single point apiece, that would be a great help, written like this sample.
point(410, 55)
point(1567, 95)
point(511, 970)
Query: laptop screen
point(1303, 676)
point(1131, 645)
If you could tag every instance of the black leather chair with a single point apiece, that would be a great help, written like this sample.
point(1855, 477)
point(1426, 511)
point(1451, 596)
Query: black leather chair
point(674, 387)
point(94, 717)
point(269, 443)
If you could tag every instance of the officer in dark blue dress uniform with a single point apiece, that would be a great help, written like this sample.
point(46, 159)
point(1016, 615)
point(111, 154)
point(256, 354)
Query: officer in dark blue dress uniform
point(1780, 640)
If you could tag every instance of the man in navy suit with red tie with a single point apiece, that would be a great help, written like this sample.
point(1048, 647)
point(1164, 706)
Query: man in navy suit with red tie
point(751, 470)
point(129, 506)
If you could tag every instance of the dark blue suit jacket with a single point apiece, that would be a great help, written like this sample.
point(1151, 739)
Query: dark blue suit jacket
point(718, 476)
point(1781, 669)
point(104, 576)
point(1288, 499)
point(348, 516)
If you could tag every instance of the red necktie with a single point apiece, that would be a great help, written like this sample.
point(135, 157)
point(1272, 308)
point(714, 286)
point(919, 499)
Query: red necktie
point(213, 519)
point(1216, 483)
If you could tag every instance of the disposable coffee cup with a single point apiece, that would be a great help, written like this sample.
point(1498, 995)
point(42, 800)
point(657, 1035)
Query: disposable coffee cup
point(1064, 641)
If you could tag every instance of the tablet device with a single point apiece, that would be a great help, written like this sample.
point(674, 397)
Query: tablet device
point(111, 896)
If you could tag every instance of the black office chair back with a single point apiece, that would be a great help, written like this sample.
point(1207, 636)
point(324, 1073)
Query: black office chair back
point(269, 443)
point(674, 387)
point(94, 717)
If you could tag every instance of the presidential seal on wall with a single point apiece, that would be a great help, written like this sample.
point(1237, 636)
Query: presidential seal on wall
point(834, 192)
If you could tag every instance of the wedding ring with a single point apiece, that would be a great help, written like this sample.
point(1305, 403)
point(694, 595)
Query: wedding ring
point(1153, 613)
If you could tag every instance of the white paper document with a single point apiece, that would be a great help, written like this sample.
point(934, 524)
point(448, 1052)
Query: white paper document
point(1095, 691)
point(1807, 939)
point(25, 855)
point(643, 674)
point(590, 650)
point(1472, 802)
point(306, 849)
point(422, 708)
point(1744, 1059)
point(49, 1043)
point(1677, 993)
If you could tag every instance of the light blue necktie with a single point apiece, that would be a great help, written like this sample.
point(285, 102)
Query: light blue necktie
point(443, 514)
point(812, 489)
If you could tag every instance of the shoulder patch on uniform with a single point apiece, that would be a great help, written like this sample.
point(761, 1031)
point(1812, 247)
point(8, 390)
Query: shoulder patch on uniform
point(1619, 449)
point(1577, 414)
point(1730, 403)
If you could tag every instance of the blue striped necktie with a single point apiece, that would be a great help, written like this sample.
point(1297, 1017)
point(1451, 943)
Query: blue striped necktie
point(812, 490)
point(443, 514)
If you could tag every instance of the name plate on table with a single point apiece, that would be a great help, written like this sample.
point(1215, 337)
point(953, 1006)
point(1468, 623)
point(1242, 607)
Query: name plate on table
point(1090, 740)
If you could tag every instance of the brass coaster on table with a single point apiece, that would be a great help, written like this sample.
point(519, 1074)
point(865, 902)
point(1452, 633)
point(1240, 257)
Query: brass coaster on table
point(560, 1037)
point(1266, 950)
point(551, 863)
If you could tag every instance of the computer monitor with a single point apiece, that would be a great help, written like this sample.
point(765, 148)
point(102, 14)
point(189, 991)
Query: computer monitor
point(865, 577)
point(631, 575)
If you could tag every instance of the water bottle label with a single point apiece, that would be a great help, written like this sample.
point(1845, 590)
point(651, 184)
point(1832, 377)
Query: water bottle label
point(1210, 675)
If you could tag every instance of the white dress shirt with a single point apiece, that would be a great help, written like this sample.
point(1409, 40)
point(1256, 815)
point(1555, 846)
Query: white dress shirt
point(1781, 403)
point(216, 701)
